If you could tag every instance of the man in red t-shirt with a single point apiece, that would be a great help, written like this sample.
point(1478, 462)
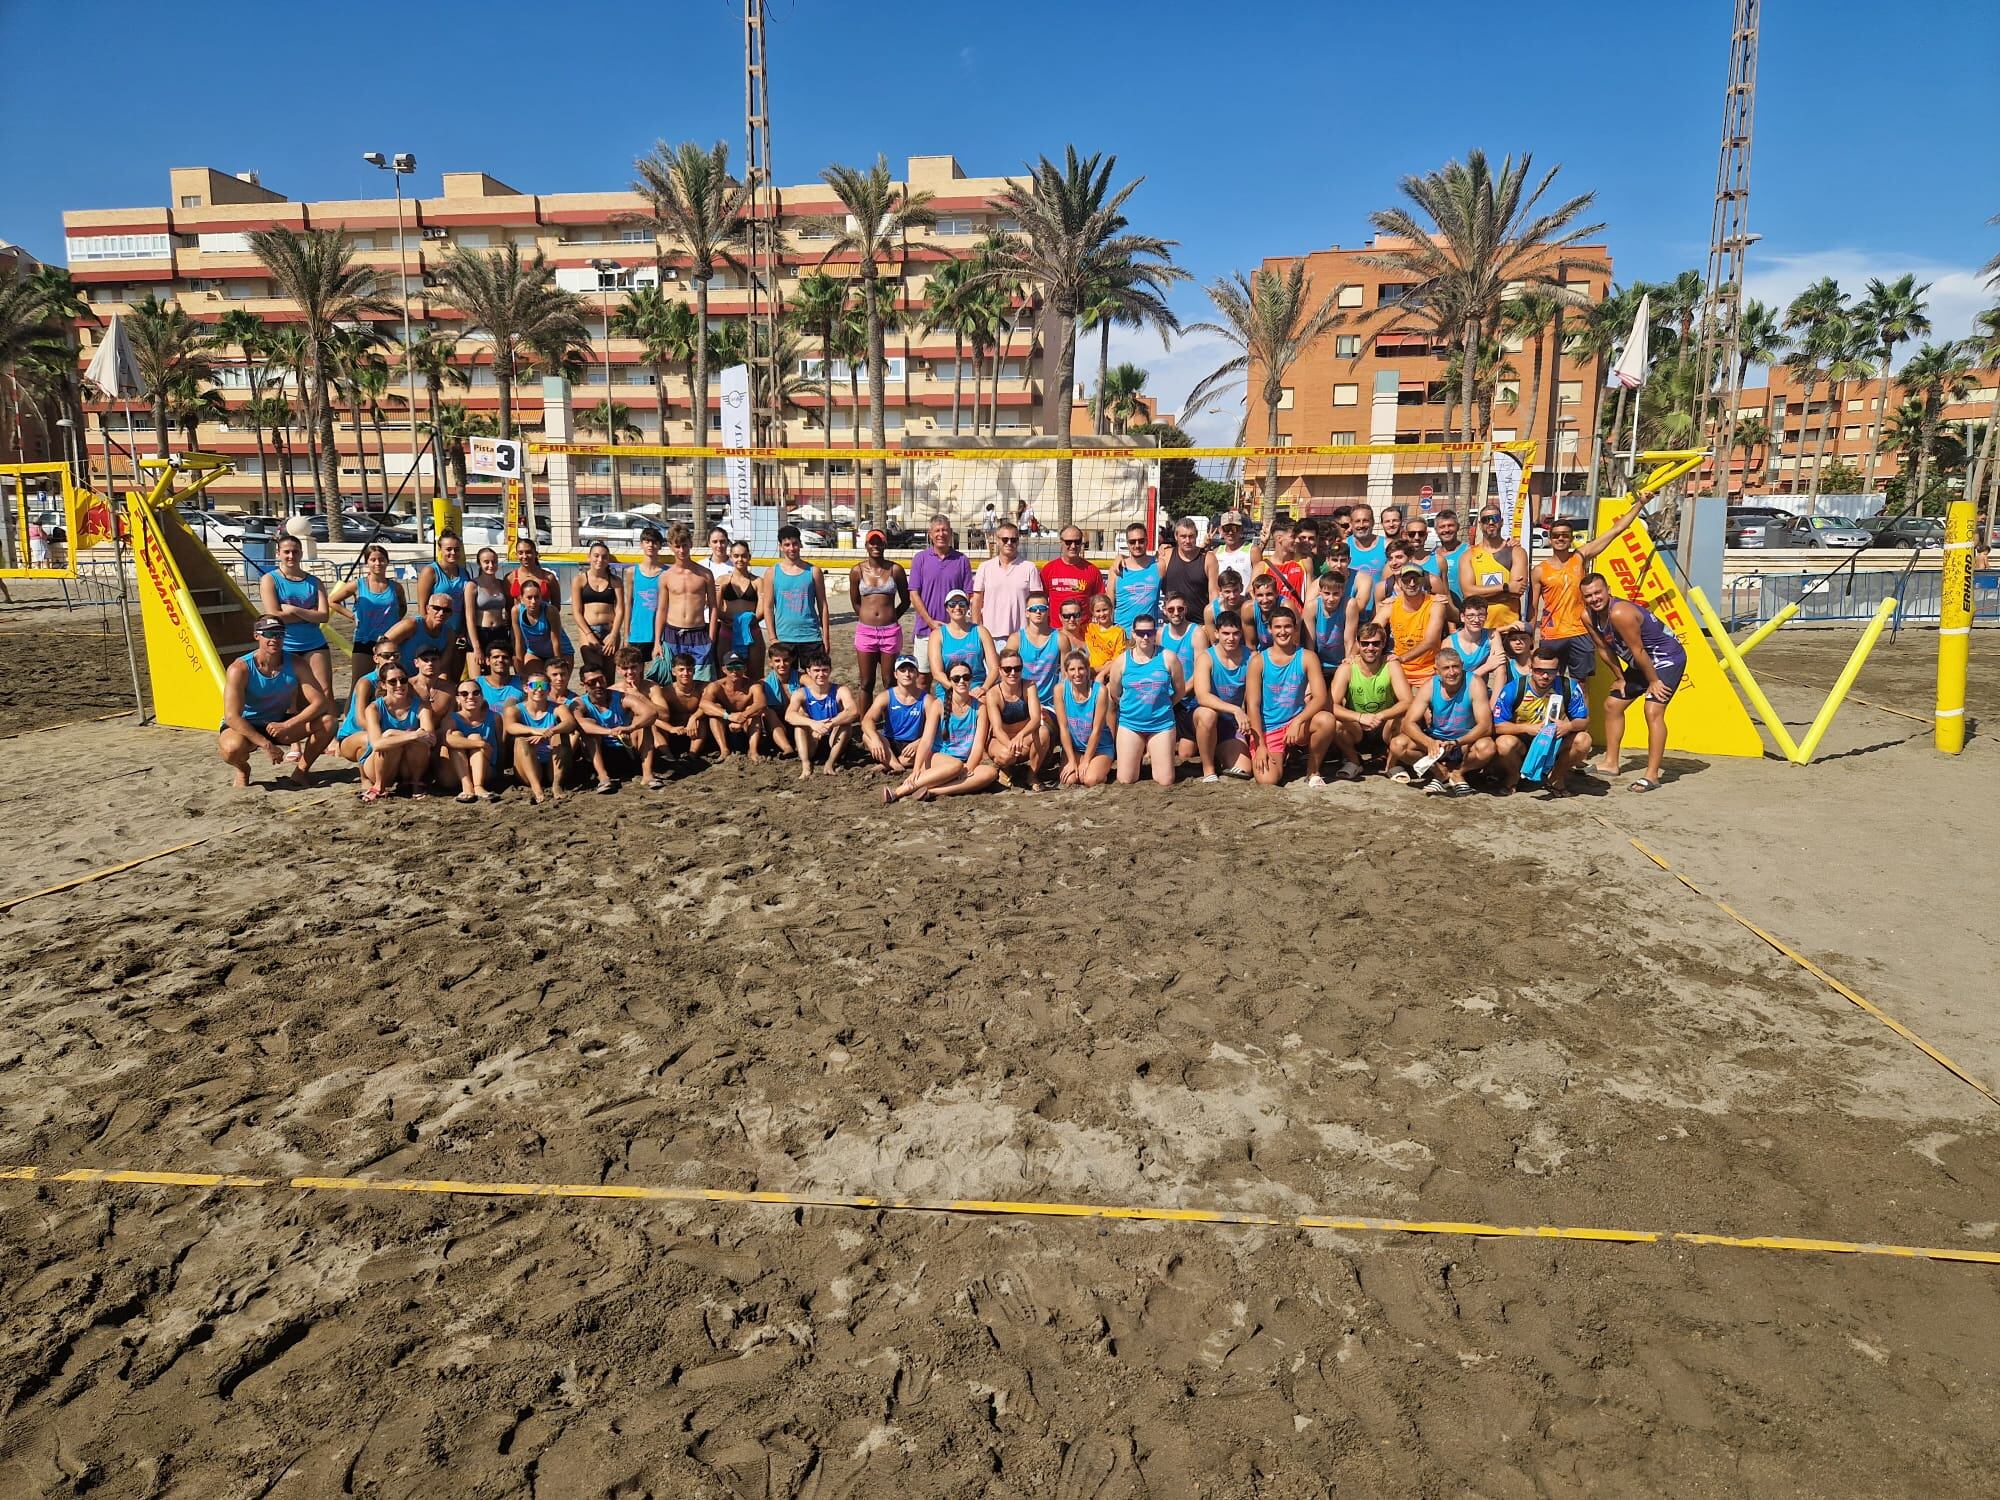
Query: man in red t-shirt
point(1072, 575)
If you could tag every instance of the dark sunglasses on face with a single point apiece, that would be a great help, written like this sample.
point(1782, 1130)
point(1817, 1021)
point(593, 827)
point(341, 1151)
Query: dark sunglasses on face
point(1010, 666)
point(1072, 541)
point(961, 677)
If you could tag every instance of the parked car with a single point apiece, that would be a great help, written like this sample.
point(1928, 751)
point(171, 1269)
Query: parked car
point(817, 533)
point(1750, 525)
point(484, 529)
point(1904, 531)
point(356, 529)
point(215, 527)
point(1818, 531)
point(618, 529)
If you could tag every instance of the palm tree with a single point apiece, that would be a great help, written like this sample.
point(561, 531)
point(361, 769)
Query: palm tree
point(1751, 433)
point(850, 347)
point(171, 349)
point(1270, 320)
point(351, 350)
point(644, 319)
point(1598, 336)
point(1848, 346)
point(947, 295)
point(275, 416)
point(1074, 236)
point(1811, 317)
point(682, 336)
point(1936, 374)
point(775, 386)
point(1985, 343)
point(1894, 313)
point(518, 306)
point(1119, 396)
point(315, 270)
point(692, 199)
point(1529, 317)
point(880, 213)
point(453, 424)
point(614, 420)
point(63, 305)
point(1487, 238)
point(240, 328)
point(372, 381)
point(189, 404)
point(1110, 301)
point(817, 305)
point(1676, 302)
point(434, 360)
point(28, 341)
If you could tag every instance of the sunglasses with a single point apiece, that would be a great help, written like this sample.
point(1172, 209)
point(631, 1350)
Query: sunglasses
point(1072, 541)
point(1072, 614)
point(1038, 609)
point(538, 682)
point(1142, 635)
point(960, 677)
point(1008, 541)
point(468, 693)
point(1010, 667)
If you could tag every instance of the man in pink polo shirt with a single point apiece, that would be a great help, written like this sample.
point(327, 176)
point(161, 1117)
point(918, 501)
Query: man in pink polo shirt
point(1001, 586)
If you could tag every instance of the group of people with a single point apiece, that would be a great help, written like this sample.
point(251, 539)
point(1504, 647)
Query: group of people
point(1331, 646)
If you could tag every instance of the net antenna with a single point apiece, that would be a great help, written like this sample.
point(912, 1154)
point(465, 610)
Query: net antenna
point(1719, 368)
point(765, 210)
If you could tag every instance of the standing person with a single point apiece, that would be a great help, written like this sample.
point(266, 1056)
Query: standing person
point(1650, 663)
point(1311, 542)
point(471, 739)
point(1017, 735)
point(1256, 616)
point(486, 622)
point(299, 599)
point(734, 707)
point(989, 524)
point(1392, 523)
point(879, 591)
point(687, 592)
point(1336, 613)
point(736, 596)
point(721, 561)
point(540, 732)
point(952, 756)
point(935, 573)
point(616, 729)
point(377, 604)
point(1072, 575)
point(1285, 693)
point(1541, 727)
point(1415, 619)
point(1280, 561)
point(598, 607)
point(1185, 571)
point(1230, 555)
point(448, 575)
point(268, 706)
point(793, 608)
point(1558, 594)
point(1103, 637)
point(1221, 722)
point(1478, 647)
point(642, 594)
point(529, 566)
point(957, 639)
point(1135, 581)
point(1145, 683)
point(1494, 570)
point(1367, 549)
point(1442, 564)
point(1083, 721)
point(1041, 650)
point(537, 628)
point(1370, 696)
point(1001, 587)
point(1448, 729)
point(402, 737)
point(893, 726)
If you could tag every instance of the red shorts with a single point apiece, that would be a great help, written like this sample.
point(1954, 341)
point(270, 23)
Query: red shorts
point(1276, 735)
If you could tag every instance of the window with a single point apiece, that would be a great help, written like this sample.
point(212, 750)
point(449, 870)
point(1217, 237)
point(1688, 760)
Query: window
point(812, 229)
point(1504, 434)
point(361, 242)
point(1284, 398)
point(893, 369)
point(1392, 292)
point(1850, 434)
point(1347, 345)
point(1508, 393)
point(1347, 395)
point(1415, 394)
point(959, 225)
point(1566, 439)
point(635, 234)
point(1348, 296)
point(1570, 393)
point(584, 237)
point(473, 239)
point(190, 200)
point(1341, 439)
point(1007, 226)
point(119, 247)
point(222, 244)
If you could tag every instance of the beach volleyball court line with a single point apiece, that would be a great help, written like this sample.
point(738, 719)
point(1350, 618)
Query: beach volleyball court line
point(451, 1188)
point(1845, 991)
point(123, 713)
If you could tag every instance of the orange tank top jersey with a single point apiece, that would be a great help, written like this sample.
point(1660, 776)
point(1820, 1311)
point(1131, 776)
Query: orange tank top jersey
point(1487, 570)
point(1106, 642)
point(1561, 585)
point(1406, 629)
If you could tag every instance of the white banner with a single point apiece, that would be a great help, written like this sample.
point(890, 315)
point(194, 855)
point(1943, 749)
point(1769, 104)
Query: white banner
point(1513, 500)
point(500, 457)
point(736, 434)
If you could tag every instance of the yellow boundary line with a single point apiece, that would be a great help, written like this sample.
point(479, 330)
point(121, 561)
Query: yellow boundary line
point(452, 1188)
point(1845, 991)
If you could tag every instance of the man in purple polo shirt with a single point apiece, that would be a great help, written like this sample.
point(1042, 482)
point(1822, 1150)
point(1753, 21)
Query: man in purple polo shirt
point(934, 573)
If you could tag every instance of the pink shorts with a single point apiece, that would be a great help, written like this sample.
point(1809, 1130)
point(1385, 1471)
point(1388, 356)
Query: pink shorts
point(886, 639)
point(1275, 737)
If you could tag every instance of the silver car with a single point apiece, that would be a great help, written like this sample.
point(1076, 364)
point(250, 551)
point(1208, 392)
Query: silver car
point(1819, 531)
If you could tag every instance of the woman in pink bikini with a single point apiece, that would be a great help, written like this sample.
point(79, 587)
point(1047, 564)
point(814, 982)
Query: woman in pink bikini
point(879, 590)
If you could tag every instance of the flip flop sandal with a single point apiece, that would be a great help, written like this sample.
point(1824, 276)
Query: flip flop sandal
point(371, 794)
point(466, 797)
point(1644, 784)
point(1400, 776)
point(605, 789)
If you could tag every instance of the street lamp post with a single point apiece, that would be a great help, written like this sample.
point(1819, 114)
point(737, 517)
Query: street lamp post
point(398, 166)
point(607, 277)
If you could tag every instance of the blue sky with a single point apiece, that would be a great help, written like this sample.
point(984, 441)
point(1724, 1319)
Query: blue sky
point(1260, 129)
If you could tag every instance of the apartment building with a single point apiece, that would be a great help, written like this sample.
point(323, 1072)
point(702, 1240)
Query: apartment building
point(1379, 377)
point(194, 250)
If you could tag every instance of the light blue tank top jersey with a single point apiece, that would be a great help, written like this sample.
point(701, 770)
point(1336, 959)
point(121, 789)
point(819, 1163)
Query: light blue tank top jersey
point(795, 603)
point(544, 720)
point(300, 593)
point(1146, 695)
point(1184, 648)
point(1449, 568)
point(266, 700)
point(497, 698)
point(1474, 658)
point(1136, 592)
point(777, 694)
point(543, 638)
point(1226, 682)
point(1329, 632)
point(424, 638)
point(818, 709)
point(452, 586)
point(1451, 716)
point(1284, 692)
point(1081, 713)
point(1371, 558)
point(350, 722)
point(955, 733)
point(966, 648)
point(614, 714)
point(642, 626)
point(1262, 626)
point(488, 729)
point(374, 614)
point(410, 718)
point(904, 721)
point(1041, 667)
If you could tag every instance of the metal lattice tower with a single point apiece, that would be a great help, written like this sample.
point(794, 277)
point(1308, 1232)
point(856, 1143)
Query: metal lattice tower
point(763, 233)
point(1719, 370)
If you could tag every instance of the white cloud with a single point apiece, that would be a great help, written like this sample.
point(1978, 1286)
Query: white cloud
point(1955, 295)
point(1170, 374)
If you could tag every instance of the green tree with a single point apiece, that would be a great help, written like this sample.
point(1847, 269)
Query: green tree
point(1110, 301)
point(614, 420)
point(172, 353)
point(1177, 475)
point(1074, 237)
point(1119, 396)
point(1840, 478)
point(453, 424)
point(1474, 238)
point(1894, 312)
point(1848, 346)
point(692, 200)
point(1676, 302)
point(1531, 317)
point(520, 310)
point(1812, 318)
point(189, 404)
point(1936, 374)
point(63, 306)
point(1751, 435)
point(433, 358)
point(879, 216)
point(818, 303)
point(1985, 343)
point(646, 319)
point(1269, 319)
point(947, 295)
point(240, 328)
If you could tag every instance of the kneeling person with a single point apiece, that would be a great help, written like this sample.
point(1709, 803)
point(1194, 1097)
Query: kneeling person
point(821, 715)
point(1286, 695)
point(540, 730)
point(1449, 728)
point(1370, 696)
point(616, 727)
point(893, 727)
point(734, 708)
point(268, 706)
point(1541, 726)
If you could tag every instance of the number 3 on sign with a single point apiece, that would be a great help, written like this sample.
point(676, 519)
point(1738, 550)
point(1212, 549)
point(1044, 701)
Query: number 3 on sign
point(500, 457)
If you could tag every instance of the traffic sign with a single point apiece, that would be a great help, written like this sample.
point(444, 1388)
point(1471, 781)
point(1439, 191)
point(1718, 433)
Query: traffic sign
point(500, 457)
point(1424, 499)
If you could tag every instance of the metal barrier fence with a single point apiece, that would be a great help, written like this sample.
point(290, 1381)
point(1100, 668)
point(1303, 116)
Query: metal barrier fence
point(1756, 597)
